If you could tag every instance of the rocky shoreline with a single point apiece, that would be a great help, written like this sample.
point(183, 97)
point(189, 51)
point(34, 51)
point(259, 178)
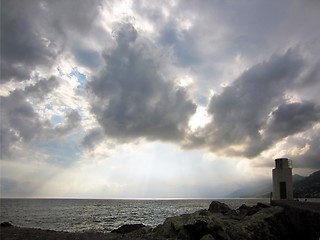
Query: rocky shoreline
point(217, 222)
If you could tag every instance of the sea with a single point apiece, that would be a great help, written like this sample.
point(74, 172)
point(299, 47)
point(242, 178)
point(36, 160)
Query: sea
point(102, 215)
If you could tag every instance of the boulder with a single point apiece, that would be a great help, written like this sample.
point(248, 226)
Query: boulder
point(127, 228)
point(6, 224)
point(262, 205)
point(218, 207)
point(207, 237)
point(193, 226)
point(253, 223)
point(259, 222)
point(245, 210)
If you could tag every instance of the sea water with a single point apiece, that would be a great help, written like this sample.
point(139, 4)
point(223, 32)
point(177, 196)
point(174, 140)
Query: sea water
point(77, 215)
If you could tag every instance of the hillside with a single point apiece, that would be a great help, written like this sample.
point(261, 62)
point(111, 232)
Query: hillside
point(308, 187)
point(303, 187)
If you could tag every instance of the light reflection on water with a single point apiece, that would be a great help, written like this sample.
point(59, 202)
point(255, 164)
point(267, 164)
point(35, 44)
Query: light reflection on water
point(76, 215)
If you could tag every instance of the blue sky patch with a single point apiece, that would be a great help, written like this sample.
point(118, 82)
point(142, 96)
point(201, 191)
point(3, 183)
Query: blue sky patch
point(56, 119)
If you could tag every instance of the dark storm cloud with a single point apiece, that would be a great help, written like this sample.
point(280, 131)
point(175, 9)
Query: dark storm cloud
point(222, 28)
point(132, 99)
point(20, 123)
point(78, 25)
point(87, 57)
point(252, 114)
point(42, 88)
point(19, 114)
point(34, 33)
point(310, 159)
point(241, 110)
point(76, 16)
point(22, 48)
point(92, 138)
point(72, 120)
point(294, 117)
point(183, 42)
point(286, 120)
point(241, 114)
point(7, 138)
point(313, 76)
point(307, 149)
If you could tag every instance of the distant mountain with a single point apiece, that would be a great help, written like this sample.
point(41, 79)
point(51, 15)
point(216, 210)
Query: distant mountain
point(297, 178)
point(253, 190)
point(303, 187)
point(243, 193)
point(308, 187)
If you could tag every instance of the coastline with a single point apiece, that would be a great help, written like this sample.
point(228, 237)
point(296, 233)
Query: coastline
point(17, 233)
point(76, 215)
point(219, 221)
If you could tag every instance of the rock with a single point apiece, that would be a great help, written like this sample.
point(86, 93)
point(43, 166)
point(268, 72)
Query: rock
point(127, 228)
point(262, 205)
point(173, 226)
point(197, 230)
point(207, 237)
point(245, 223)
point(245, 210)
point(193, 226)
point(6, 224)
point(216, 207)
point(233, 213)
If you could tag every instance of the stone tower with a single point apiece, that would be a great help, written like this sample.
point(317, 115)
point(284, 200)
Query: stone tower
point(282, 179)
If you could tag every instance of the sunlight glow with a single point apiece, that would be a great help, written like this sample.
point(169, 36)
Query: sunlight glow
point(200, 118)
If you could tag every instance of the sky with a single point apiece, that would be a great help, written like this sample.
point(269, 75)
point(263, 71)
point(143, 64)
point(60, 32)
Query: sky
point(156, 99)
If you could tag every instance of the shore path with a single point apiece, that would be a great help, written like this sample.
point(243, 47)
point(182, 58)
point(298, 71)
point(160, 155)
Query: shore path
point(309, 206)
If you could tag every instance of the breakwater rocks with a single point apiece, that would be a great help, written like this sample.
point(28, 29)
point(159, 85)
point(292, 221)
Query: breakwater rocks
point(218, 222)
point(222, 223)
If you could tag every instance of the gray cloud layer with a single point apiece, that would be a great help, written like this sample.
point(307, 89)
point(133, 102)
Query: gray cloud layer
point(131, 98)
point(291, 118)
point(72, 120)
point(310, 159)
point(22, 47)
point(20, 123)
point(34, 33)
point(251, 114)
point(92, 138)
point(33, 36)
